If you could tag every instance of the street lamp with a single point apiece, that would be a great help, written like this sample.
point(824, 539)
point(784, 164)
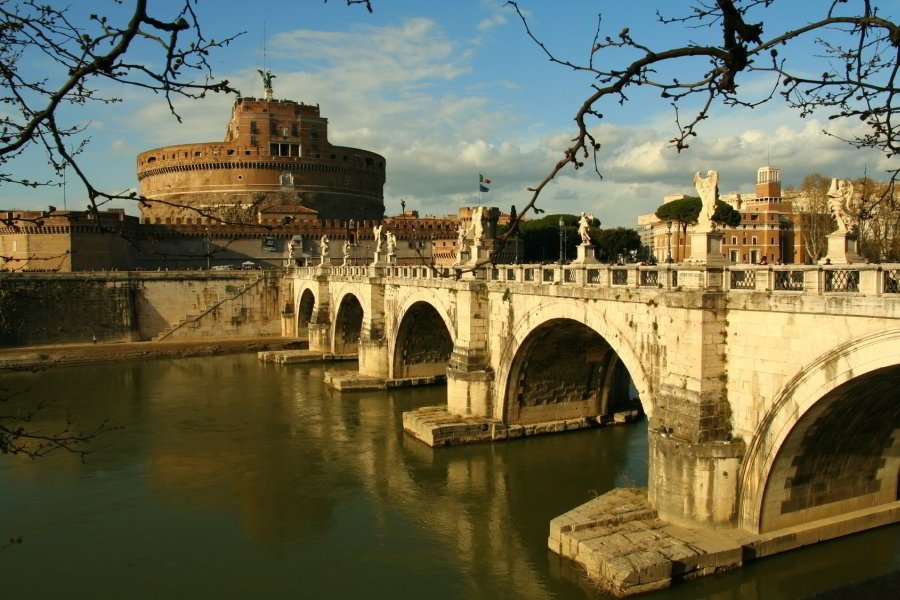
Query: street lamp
point(562, 247)
point(669, 241)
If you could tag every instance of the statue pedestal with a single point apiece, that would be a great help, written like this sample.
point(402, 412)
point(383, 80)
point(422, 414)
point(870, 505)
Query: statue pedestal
point(586, 255)
point(391, 259)
point(379, 260)
point(478, 254)
point(706, 249)
point(841, 249)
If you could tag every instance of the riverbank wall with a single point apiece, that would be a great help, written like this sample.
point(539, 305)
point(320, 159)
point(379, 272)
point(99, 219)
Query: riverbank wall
point(71, 308)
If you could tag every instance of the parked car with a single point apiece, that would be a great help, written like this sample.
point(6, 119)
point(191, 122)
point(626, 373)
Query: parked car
point(222, 268)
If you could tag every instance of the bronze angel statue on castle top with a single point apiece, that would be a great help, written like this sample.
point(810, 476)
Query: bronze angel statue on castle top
point(267, 77)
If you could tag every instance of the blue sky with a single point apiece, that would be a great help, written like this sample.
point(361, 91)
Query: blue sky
point(445, 90)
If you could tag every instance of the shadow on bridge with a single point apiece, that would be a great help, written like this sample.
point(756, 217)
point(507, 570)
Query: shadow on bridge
point(566, 370)
point(423, 345)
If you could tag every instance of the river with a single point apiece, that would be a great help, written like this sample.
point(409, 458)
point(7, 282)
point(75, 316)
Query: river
point(233, 479)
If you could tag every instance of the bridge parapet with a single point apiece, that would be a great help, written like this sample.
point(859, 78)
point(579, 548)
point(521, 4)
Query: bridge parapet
point(861, 280)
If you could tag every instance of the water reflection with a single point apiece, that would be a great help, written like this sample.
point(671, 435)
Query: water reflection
point(234, 478)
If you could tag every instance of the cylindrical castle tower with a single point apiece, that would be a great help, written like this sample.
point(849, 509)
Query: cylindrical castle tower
point(276, 152)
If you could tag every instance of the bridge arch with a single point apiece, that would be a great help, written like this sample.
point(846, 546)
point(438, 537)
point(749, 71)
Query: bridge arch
point(424, 338)
point(306, 304)
point(828, 444)
point(347, 324)
point(590, 364)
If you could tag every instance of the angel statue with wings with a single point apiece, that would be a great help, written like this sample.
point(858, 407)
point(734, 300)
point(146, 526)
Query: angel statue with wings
point(708, 190)
point(842, 205)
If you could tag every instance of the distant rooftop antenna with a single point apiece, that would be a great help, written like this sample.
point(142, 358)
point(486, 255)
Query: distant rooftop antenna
point(265, 73)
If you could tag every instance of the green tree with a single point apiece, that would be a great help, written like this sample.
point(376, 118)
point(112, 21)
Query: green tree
point(725, 215)
point(685, 211)
point(617, 244)
point(541, 237)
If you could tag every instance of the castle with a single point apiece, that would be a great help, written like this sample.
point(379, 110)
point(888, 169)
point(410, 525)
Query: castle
point(275, 153)
point(273, 183)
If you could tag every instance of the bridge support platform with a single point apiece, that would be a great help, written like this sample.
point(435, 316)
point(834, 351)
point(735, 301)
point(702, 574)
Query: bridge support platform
point(435, 426)
point(351, 381)
point(623, 545)
point(290, 357)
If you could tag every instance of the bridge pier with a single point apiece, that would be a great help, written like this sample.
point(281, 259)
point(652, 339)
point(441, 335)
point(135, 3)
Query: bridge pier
point(373, 358)
point(694, 482)
point(319, 336)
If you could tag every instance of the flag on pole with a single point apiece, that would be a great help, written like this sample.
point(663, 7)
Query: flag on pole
point(483, 183)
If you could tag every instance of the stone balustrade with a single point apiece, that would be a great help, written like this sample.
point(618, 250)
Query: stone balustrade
point(863, 279)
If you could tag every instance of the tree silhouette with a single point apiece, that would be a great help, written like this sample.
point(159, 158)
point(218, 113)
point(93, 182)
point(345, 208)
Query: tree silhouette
point(858, 49)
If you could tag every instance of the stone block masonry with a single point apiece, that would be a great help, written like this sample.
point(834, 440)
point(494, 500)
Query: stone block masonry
point(65, 308)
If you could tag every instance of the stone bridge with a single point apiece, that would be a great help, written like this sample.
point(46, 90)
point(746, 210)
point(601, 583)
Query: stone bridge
point(772, 393)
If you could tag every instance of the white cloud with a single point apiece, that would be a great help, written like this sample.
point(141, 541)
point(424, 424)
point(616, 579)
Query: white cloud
point(394, 90)
point(491, 22)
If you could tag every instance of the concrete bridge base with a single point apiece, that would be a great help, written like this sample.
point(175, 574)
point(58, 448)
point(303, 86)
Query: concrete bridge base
point(289, 357)
point(626, 549)
point(436, 426)
point(352, 381)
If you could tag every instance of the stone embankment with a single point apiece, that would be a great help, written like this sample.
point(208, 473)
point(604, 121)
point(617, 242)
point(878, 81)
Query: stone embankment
point(36, 357)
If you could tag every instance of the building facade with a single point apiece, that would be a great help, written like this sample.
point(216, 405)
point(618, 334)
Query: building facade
point(771, 228)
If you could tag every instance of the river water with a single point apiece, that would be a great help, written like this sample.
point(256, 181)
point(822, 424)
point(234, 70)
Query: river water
point(233, 479)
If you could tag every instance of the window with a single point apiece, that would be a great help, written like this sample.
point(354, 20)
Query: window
point(772, 241)
point(314, 132)
point(753, 240)
point(734, 240)
point(253, 127)
point(294, 130)
point(198, 154)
